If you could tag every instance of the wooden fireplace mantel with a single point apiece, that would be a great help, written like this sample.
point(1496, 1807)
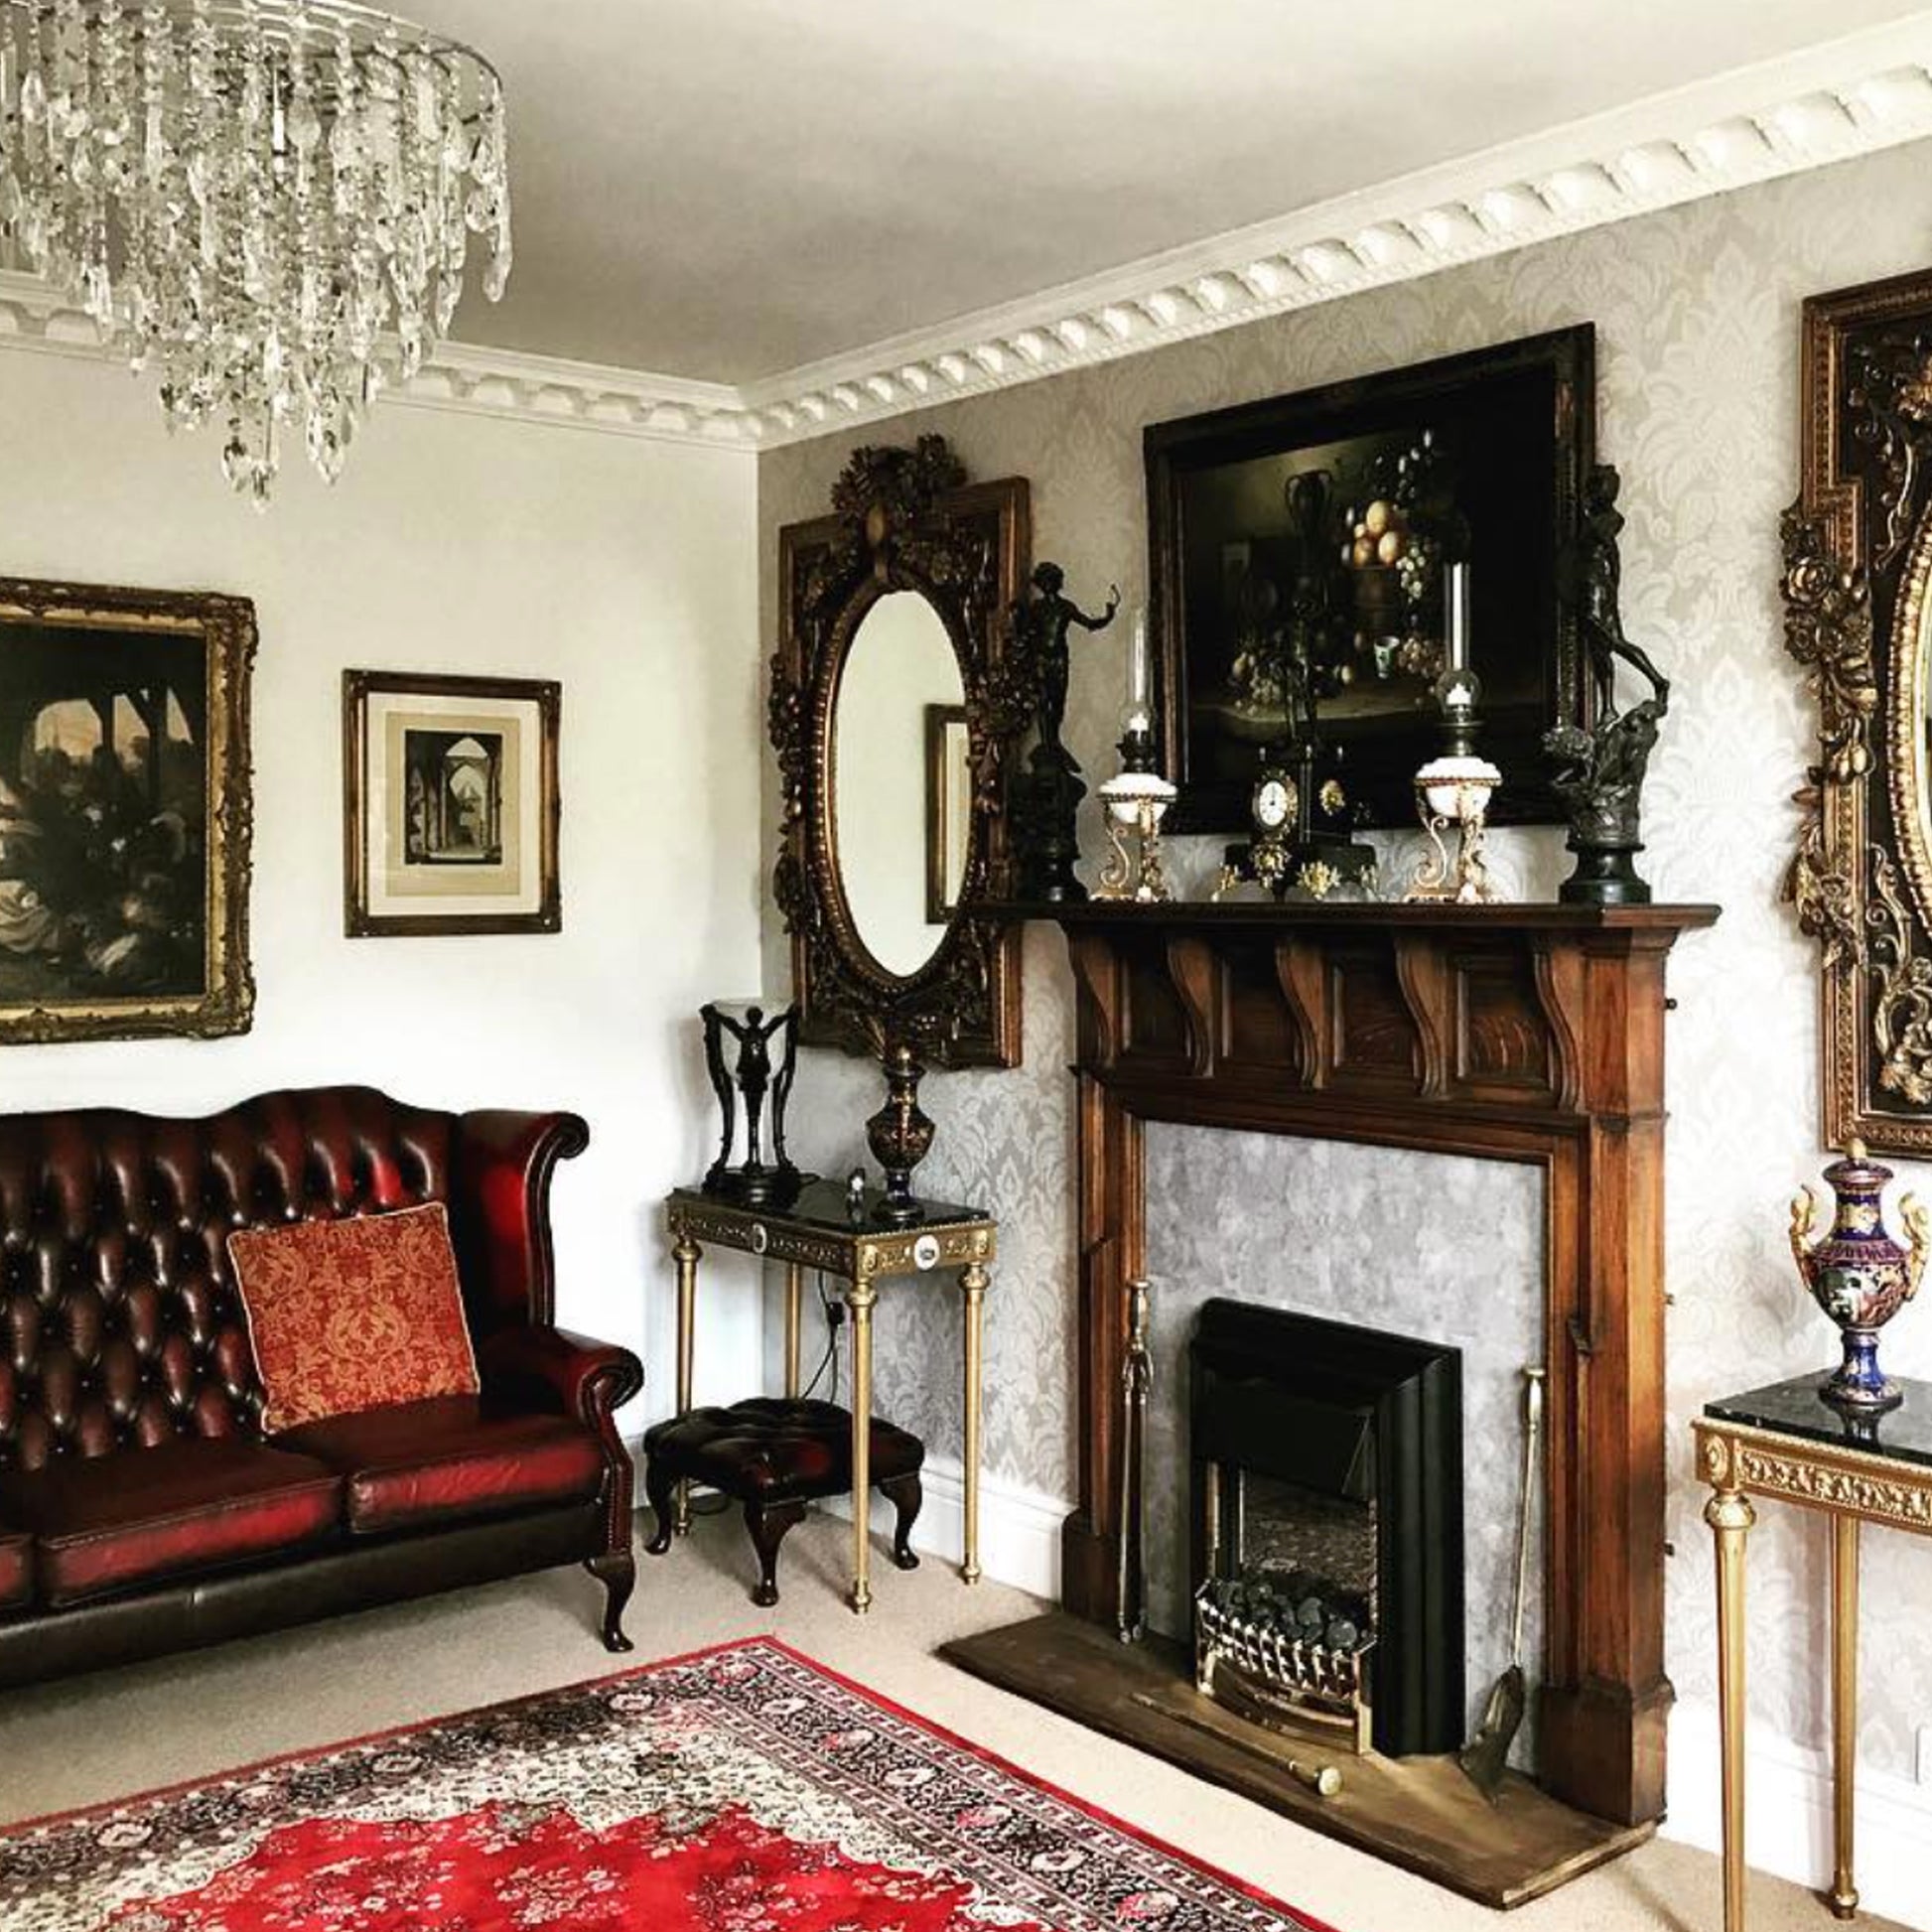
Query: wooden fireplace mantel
point(1520, 1033)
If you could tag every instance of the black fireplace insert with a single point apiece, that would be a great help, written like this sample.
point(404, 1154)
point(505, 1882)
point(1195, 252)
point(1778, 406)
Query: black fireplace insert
point(1327, 1465)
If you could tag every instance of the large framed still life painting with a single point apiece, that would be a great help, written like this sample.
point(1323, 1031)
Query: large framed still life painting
point(125, 815)
point(451, 804)
point(1298, 554)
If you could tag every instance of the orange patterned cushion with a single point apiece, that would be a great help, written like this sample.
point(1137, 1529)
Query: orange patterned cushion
point(355, 1314)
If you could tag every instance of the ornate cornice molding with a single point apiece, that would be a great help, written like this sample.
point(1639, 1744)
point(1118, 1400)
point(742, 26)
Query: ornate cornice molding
point(1852, 96)
point(475, 381)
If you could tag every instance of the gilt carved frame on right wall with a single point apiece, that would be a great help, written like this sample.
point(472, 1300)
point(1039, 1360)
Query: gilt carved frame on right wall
point(1858, 604)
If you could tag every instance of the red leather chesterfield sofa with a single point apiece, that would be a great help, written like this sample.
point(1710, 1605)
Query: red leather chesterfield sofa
point(141, 1508)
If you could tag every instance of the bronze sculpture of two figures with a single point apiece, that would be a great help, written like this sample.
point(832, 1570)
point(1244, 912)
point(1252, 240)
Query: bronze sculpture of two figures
point(1599, 770)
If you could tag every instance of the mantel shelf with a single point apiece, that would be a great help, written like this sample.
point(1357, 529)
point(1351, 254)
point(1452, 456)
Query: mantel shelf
point(1534, 915)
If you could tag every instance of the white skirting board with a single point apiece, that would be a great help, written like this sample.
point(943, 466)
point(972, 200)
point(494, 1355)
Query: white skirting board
point(1788, 1817)
point(1019, 1528)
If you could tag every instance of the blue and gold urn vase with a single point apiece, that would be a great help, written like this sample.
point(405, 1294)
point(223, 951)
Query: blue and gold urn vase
point(1858, 1273)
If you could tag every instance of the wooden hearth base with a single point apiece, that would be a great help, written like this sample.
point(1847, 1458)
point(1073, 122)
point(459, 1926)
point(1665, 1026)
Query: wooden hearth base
point(1420, 1812)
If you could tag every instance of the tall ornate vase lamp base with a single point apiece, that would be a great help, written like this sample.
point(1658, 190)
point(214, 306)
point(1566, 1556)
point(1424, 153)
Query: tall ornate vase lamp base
point(900, 1134)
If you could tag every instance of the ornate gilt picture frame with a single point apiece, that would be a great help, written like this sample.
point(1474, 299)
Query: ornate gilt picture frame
point(1857, 601)
point(903, 521)
point(451, 804)
point(125, 814)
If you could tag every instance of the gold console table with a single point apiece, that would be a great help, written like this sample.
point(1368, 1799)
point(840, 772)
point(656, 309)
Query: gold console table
point(1785, 1442)
point(823, 1229)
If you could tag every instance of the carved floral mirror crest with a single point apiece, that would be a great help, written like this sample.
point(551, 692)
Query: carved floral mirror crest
point(1858, 591)
point(892, 713)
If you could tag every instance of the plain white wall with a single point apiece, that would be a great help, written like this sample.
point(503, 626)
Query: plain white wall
point(624, 568)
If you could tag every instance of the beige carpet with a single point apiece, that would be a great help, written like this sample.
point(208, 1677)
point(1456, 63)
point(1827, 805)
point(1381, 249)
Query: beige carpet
point(118, 1733)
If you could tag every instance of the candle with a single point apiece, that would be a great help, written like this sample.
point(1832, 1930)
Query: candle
point(1139, 703)
point(1455, 599)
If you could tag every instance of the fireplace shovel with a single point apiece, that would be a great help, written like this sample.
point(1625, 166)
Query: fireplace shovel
point(1485, 1758)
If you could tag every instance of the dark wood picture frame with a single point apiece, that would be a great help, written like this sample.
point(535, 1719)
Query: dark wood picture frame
point(1382, 754)
point(903, 521)
point(1858, 617)
point(205, 705)
point(359, 922)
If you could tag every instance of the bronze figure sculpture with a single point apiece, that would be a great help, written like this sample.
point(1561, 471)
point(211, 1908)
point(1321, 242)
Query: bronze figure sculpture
point(1042, 628)
point(1600, 768)
point(1045, 791)
point(753, 1076)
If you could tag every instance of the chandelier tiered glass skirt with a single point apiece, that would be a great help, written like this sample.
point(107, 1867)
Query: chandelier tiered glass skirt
point(272, 200)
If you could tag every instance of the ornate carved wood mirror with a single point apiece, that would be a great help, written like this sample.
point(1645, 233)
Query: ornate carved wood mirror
point(1858, 591)
point(894, 613)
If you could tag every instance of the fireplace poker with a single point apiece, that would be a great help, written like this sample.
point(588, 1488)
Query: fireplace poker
point(1136, 1378)
point(1485, 1758)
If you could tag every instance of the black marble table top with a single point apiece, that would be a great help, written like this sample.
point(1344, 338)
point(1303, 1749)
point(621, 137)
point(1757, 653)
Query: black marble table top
point(1796, 1409)
point(823, 1205)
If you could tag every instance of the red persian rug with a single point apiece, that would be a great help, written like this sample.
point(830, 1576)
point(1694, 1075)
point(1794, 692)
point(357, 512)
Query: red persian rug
point(743, 1789)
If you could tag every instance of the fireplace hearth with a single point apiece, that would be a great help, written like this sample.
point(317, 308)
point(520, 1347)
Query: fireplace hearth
point(1327, 1481)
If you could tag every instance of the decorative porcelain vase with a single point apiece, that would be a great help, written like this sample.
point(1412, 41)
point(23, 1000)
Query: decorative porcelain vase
point(1858, 1273)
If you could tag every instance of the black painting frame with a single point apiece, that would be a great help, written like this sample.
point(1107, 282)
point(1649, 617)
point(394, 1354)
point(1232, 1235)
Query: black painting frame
point(1383, 756)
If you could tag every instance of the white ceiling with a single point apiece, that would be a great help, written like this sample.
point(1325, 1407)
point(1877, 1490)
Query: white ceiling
point(729, 189)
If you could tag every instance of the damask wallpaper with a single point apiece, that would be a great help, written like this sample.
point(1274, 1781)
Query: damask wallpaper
point(1697, 313)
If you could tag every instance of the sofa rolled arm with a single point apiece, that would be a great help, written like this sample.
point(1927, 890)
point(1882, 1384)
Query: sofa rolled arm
point(500, 1213)
point(589, 1381)
point(551, 1368)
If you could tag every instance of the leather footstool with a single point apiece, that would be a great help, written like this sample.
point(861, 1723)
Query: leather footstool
point(777, 1454)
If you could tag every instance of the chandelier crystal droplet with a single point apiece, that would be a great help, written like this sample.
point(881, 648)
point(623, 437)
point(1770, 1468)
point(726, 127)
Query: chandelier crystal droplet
point(270, 200)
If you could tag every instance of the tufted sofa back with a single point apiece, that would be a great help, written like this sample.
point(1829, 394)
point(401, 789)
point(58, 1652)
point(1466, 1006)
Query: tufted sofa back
point(119, 1322)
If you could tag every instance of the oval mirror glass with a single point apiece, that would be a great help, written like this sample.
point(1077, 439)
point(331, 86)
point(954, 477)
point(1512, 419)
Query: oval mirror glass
point(900, 787)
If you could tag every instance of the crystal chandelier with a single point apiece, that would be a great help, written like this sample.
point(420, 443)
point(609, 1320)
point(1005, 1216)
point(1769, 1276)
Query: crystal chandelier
point(256, 195)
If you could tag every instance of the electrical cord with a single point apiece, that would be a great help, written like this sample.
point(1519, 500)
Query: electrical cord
point(834, 1322)
point(713, 1505)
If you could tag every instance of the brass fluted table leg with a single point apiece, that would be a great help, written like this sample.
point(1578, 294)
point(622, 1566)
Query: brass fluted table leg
point(794, 1284)
point(973, 1284)
point(1731, 1517)
point(687, 1254)
point(859, 1297)
point(1844, 1897)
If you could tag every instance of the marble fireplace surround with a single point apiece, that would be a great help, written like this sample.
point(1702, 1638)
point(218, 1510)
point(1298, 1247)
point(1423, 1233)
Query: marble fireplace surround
point(1323, 1228)
point(1523, 1034)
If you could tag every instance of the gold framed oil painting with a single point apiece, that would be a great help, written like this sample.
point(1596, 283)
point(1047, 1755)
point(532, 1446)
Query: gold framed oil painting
point(125, 814)
point(449, 805)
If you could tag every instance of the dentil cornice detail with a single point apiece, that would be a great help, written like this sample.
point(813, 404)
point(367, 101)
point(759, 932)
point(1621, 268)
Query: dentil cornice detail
point(1853, 96)
point(457, 377)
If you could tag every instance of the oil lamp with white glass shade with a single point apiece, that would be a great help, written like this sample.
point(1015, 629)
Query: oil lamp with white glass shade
point(1136, 798)
point(1453, 791)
